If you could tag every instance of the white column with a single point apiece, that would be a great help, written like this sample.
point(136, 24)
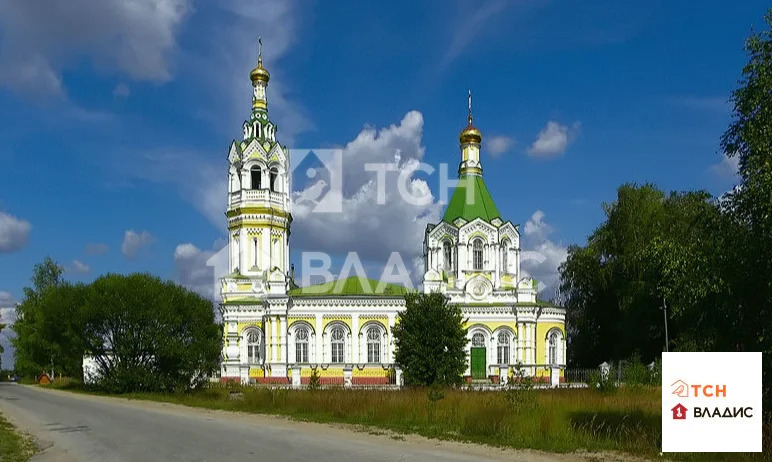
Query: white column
point(273, 340)
point(355, 356)
point(528, 343)
point(319, 358)
point(497, 263)
point(283, 338)
point(520, 342)
point(243, 251)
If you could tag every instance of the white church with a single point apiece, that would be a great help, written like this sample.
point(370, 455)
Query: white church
point(277, 332)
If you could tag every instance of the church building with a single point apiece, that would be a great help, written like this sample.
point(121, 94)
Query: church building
point(277, 332)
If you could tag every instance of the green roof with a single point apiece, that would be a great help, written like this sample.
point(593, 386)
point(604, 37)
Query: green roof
point(350, 286)
point(479, 204)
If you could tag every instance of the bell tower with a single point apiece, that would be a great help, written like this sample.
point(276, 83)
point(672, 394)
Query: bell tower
point(258, 209)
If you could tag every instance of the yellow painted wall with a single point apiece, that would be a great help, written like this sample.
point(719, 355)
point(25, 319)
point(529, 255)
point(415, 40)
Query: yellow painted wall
point(493, 325)
point(370, 372)
point(541, 338)
point(255, 372)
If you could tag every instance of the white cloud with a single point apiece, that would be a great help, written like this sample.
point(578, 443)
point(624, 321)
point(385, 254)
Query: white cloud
point(14, 233)
point(497, 145)
point(134, 38)
point(80, 267)
point(370, 229)
point(542, 257)
point(728, 168)
point(553, 140)
point(191, 270)
point(121, 91)
point(96, 248)
point(6, 299)
point(133, 242)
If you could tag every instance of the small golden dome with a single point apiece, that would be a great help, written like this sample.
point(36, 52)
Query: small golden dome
point(259, 73)
point(470, 134)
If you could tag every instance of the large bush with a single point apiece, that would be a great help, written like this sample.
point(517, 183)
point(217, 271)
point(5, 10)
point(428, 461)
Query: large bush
point(149, 335)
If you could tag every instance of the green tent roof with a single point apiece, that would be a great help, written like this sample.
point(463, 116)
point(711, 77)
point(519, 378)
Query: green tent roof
point(350, 286)
point(478, 205)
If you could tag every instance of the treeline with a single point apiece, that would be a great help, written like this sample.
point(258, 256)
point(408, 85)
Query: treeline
point(709, 260)
point(145, 334)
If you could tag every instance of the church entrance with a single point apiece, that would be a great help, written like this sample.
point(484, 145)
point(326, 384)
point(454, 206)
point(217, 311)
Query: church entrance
point(478, 363)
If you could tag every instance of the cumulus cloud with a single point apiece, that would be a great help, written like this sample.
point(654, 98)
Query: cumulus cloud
point(80, 267)
point(96, 248)
point(553, 140)
point(191, 270)
point(728, 168)
point(6, 299)
point(541, 257)
point(134, 38)
point(376, 220)
point(14, 233)
point(497, 145)
point(133, 242)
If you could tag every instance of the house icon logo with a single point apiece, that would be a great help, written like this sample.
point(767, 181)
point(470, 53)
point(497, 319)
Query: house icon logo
point(680, 389)
point(679, 412)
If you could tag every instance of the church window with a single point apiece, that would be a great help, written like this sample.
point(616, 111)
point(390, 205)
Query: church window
point(478, 340)
point(504, 255)
point(336, 343)
point(373, 345)
point(477, 254)
point(301, 345)
point(503, 348)
point(553, 348)
point(256, 177)
point(274, 175)
point(447, 253)
point(253, 347)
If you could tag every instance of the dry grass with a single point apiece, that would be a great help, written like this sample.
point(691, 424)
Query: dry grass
point(550, 420)
point(627, 420)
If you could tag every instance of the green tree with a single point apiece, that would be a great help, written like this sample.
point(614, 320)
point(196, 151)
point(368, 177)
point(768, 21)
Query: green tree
point(32, 351)
point(749, 139)
point(430, 341)
point(149, 335)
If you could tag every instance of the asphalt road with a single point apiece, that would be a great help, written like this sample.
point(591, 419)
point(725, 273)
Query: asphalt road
point(75, 427)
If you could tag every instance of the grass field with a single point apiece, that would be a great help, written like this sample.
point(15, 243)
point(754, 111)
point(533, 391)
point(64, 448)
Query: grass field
point(627, 420)
point(14, 447)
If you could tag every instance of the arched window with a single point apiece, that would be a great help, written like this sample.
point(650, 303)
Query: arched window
point(553, 348)
point(373, 345)
point(447, 254)
point(477, 254)
point(257, 177)
point(274, 175)
point(253, 347)
point(504, 255)
point(337, 338)
point(478, 340)
point(503, 348)
point(301, 345)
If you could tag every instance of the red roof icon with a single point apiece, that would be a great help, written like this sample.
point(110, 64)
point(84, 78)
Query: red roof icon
point(679, 412)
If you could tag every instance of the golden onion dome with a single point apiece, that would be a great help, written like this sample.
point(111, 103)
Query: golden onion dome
point(259, 74)
point(470, 134)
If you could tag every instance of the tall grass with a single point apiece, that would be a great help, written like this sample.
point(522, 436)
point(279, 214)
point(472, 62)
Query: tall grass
point(627, 420)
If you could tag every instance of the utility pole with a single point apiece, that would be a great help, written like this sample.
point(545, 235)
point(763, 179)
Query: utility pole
point(664, 309)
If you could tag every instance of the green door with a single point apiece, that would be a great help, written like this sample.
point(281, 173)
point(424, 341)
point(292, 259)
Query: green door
point(478, 363)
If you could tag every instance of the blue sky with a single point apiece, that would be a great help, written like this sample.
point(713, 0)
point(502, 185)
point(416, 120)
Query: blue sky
point(115, 121)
